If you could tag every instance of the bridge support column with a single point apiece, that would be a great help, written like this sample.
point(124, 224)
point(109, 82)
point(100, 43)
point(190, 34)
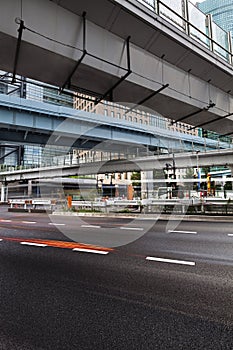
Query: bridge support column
point(146, 184)
point(29, 188)
point(231, 169)
point(4, 193)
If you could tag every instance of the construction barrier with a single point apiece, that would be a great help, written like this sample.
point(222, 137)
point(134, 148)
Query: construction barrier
point(31, 204)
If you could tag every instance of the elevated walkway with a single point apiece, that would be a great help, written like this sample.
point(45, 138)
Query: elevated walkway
point(125, 52)
point(182, 160)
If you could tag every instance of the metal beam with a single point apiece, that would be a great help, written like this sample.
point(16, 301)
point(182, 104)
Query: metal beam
point(110, 91)
point(227, 134)
point(210, 105)
point(20, 30)
point(211, 121)
point(68, 80)
point(148, 97)
point(15, 149)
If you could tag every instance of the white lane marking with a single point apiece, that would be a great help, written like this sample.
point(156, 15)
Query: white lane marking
point(131, 228)
point(1, 239)
point(191, 232)
point(56, 224)
point(28, 222)
point(171, 261)
point(230, 234)
point(90, 226)
point(90, 251)
point(3, 220)
point(34, 244)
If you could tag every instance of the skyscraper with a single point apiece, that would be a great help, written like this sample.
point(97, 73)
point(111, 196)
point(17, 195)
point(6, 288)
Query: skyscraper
point(222, 12)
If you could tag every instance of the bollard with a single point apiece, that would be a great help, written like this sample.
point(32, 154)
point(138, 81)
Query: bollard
point(69, 202)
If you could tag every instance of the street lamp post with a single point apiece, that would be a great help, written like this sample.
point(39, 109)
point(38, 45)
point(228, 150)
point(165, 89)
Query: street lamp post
point(198, 171)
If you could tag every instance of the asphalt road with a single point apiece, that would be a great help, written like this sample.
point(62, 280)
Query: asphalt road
point(168, 287)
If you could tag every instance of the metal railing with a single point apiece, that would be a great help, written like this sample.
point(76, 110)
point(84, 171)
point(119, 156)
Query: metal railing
point(205, 206)
point(192, 21)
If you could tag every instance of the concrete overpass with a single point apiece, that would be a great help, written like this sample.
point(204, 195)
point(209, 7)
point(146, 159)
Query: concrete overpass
point(26, 121)
point(182, 160)
point(122, 51)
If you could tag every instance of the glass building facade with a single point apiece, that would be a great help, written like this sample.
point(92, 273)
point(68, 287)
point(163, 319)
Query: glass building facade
point(221, 11)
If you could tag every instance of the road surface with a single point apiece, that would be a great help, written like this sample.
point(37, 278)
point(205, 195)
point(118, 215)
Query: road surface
point(168, 288)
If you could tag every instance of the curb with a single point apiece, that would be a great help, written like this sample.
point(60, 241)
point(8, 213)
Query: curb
point(161, 217)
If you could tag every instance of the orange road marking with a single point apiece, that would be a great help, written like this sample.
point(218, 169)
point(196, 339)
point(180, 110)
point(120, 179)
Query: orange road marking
point(58, 244)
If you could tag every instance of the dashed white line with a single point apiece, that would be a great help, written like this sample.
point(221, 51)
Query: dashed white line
point(34, 244)
point(3, 220)
point(131, 228)
point(171, 261)
point(28, 222)
point(1, 239)
point(90, 226)
point(90, 251)
point(190, 232)
point(230, 234)
point(56, 224)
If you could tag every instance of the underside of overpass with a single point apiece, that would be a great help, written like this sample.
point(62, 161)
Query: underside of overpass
point(120, 51)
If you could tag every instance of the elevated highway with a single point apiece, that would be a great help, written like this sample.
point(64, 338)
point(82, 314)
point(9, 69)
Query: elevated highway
point(182, 160)
point(26, 121)
point(122, 51)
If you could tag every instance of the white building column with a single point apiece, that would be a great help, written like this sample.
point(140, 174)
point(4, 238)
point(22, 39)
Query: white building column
point(29, 188)
point(4, 193)
point(147, 186)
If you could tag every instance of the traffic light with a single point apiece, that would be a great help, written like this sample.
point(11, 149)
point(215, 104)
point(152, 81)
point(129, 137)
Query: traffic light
point(204, 133)
point(20, 154)
point(208, 183)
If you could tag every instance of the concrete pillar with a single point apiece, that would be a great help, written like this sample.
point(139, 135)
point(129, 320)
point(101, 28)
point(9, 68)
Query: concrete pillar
point(231, 169)
point(147, 186)
point(29, 188)
point(4, 193)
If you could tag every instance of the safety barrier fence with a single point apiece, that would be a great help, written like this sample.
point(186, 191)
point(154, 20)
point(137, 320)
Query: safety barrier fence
point(145, 206)
point(32, 205)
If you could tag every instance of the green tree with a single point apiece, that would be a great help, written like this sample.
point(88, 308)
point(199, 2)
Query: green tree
point(136, 182)
point(190, 174)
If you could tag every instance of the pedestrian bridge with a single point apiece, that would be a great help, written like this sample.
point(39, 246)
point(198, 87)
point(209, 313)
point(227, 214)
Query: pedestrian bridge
point(169, 59)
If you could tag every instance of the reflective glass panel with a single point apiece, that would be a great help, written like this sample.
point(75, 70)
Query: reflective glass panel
point(173, 11)
point(198, 27)
point(148, 3)
point(221, 39)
